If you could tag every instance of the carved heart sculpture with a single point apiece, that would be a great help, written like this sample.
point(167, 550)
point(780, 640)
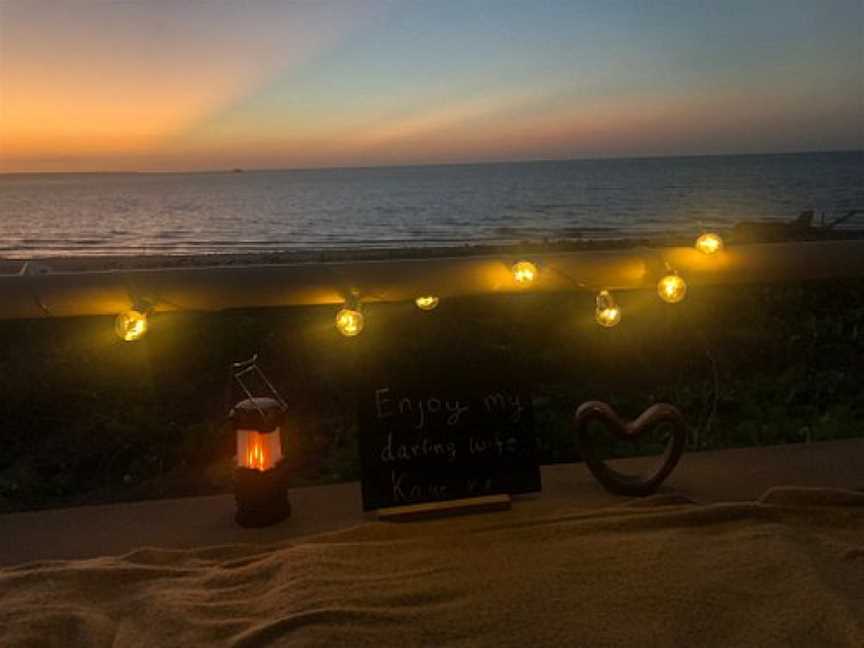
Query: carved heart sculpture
point(612, 480)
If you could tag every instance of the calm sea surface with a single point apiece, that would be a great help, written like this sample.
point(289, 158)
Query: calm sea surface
point(195, 213)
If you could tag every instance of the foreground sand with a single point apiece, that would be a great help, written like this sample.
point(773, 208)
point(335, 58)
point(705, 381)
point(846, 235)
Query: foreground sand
point(785, 570)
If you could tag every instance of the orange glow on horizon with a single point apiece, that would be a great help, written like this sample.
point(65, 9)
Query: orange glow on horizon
point(99, 100)
point(163, 139)
point(208, 86)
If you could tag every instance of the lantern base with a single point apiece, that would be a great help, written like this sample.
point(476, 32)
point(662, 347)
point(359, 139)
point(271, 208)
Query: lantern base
point(262, 496)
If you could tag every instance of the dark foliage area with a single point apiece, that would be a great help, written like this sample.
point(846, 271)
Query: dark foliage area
point(88, 418)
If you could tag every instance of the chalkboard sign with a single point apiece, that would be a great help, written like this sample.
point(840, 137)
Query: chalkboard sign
point(428, 445)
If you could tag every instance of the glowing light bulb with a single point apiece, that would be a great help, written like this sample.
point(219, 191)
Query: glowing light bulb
point(350, 321)
point(427, 302)
point(524, 272)
point(709, 243)
point(671, 288)
point(607, 313)
point(131, 325)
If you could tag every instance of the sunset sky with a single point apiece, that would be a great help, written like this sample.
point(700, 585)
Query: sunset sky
point(213, 85)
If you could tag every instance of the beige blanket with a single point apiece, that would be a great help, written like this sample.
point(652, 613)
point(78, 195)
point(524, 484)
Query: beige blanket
point(786, 570)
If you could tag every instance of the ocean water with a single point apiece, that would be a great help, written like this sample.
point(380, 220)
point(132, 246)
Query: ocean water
point(44, 215)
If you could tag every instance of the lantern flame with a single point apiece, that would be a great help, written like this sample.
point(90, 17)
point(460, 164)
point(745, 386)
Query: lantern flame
point(257, 450)
point(255, 457)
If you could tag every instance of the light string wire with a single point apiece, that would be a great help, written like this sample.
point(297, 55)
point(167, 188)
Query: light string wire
point(146, 303)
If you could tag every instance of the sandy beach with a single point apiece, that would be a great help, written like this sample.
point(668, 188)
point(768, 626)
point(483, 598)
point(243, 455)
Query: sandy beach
point(783, 570)
point(707, 562)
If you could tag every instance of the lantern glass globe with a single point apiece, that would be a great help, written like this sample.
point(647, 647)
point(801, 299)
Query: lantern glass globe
point(524, 272)
point(709, 243)
point(671, 289)
point(131, 325)
point(427, 302)
point(350, 322)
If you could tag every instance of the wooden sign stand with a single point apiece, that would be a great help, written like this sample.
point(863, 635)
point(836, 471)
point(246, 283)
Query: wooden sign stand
point(427, 510)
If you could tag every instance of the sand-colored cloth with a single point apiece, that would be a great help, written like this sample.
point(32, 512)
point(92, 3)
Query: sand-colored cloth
point(787, 569)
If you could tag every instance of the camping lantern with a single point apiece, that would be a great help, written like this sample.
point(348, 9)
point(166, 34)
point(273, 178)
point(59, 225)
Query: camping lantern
point(260, 480)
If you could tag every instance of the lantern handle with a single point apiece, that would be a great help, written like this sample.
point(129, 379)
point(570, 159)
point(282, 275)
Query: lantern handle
point(245, 363)
point(245, 367)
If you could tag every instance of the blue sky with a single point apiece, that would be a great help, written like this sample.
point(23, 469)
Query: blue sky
point(163, 85)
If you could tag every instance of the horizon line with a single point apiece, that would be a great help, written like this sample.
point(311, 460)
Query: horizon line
point(429, 164)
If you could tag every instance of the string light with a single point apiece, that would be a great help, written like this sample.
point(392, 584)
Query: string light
point(607, 313)
point(427, 302)
point(524, 272)
point(671, 288)
point(131, 325)
point(350, 319)
point(709, 243)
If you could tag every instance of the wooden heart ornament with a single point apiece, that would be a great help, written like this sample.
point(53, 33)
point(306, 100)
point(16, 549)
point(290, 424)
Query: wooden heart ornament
point(653, 417)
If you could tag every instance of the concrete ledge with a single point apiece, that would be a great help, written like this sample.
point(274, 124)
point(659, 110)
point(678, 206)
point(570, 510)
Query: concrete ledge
point(223, 287)
point(91, 531)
